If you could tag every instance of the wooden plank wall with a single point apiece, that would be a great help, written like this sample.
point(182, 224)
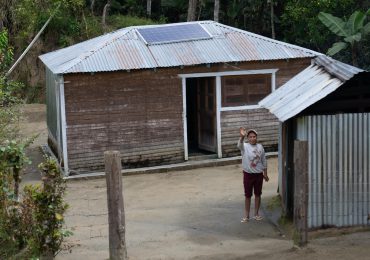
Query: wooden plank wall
point(139, 113)
point(266, 124)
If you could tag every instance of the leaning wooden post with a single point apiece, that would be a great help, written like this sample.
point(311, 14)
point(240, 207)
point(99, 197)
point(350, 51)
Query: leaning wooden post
point(116, 212)
point(301, 191)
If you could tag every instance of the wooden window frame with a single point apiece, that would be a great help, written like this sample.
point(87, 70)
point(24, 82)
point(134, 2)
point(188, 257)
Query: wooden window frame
point(245, 88)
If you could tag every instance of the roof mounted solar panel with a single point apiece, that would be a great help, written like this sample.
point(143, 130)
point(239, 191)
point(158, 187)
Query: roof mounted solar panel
point(173, 33)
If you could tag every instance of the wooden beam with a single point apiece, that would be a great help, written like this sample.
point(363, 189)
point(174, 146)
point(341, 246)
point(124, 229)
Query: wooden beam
point(301, 191)
point(116, 211)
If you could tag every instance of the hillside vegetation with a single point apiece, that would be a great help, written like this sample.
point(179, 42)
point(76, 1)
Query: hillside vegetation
point(292, 21)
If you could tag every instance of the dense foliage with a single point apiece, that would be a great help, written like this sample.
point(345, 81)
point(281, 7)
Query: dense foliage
point(31, 222)
point(9, 102)
point(32, 225)
point(293, 21)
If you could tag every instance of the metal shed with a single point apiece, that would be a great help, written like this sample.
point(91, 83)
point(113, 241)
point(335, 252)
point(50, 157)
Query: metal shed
point(327, 105)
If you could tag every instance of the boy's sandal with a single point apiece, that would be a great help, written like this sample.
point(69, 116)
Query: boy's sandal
point(244, 220)
point(258, 218)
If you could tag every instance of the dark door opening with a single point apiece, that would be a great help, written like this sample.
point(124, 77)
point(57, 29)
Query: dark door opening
point(201, 115)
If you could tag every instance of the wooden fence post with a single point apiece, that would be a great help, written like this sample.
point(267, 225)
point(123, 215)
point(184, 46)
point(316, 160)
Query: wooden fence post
point(116, 212)
point(301, 191)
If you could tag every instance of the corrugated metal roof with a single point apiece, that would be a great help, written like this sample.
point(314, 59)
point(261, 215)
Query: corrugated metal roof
point(317, 81)
point(336, 68)
point(125, 50)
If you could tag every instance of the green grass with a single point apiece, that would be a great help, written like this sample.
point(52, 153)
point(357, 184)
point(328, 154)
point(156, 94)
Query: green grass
point(274, 203)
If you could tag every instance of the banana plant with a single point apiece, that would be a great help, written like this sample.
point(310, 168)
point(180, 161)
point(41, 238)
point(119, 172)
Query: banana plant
point(352, 31)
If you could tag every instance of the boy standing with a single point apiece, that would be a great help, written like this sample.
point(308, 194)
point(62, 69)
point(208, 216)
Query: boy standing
point(254, 170)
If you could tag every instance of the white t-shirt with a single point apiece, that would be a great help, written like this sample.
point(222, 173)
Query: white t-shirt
point(253, 157)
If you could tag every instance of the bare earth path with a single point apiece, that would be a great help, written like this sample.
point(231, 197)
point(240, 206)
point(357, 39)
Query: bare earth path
point(191, 214)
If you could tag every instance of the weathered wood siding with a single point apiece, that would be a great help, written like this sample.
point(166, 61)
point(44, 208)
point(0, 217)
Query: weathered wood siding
point(266, 124)
point(139, 113)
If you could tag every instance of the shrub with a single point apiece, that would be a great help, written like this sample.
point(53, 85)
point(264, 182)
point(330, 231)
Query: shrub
point(33, 226)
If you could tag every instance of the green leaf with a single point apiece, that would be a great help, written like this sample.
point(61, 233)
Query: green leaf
point(335, 24)
point(366, 29)
point(353, 38)
point(356, 22)
point(58, 216)
point(337, 47)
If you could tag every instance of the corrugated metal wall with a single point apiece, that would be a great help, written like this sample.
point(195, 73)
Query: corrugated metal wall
point(339, 168)
point(53, 105)
point(51, 113)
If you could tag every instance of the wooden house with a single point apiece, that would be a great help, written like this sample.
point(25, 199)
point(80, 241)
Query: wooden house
point(326, 106)
point(161, 93)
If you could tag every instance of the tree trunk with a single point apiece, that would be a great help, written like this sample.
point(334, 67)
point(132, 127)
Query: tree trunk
point(105, 13)
point(260, 22)
point(216, 11)
point(192, 10)
point(7, 16)
point(272, 19)
point(17, 180)
point(149, 8)
point(354, 55)
point(84, 19)
point(92, 6)
point(199, 12)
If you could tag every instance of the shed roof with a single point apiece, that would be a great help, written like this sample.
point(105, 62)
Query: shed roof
point(125, 49)
point(323, 77)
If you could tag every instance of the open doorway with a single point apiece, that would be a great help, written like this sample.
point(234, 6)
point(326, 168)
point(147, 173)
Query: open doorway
point(201, 115)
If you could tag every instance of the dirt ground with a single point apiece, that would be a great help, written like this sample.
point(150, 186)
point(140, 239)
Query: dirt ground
point(192, 214)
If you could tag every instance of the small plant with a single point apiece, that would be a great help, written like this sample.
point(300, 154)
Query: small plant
point(11, 238)
point(12, 160)
point(44, 207)
point(274, 203)
point(31, 227)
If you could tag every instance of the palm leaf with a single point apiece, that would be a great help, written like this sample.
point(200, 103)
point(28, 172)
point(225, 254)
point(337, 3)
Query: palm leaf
point(356, 22)
point(366, 29)
point(335, 24)
point(337, 47)
point(353, 38)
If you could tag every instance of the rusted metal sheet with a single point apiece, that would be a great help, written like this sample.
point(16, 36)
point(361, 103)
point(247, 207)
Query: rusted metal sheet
point(317, 81)
point(125, 49)
point(336, 68)
point(339, 168)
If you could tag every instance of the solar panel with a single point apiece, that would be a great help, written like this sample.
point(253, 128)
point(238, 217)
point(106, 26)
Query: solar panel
point(173, 33)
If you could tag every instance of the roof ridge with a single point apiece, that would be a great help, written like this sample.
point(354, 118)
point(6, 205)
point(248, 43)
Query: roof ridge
point(169, 24)
point(268, 39)
point(88, 53)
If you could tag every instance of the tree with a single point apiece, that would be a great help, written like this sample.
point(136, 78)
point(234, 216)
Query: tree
point(9, 102)
point(272, 3)
point(105, 13)
point(192, 10)
point(352, 31)
point(216, 11)
point(149, 8)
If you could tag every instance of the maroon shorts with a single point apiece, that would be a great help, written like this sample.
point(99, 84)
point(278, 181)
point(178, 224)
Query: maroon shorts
point(252, 182)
